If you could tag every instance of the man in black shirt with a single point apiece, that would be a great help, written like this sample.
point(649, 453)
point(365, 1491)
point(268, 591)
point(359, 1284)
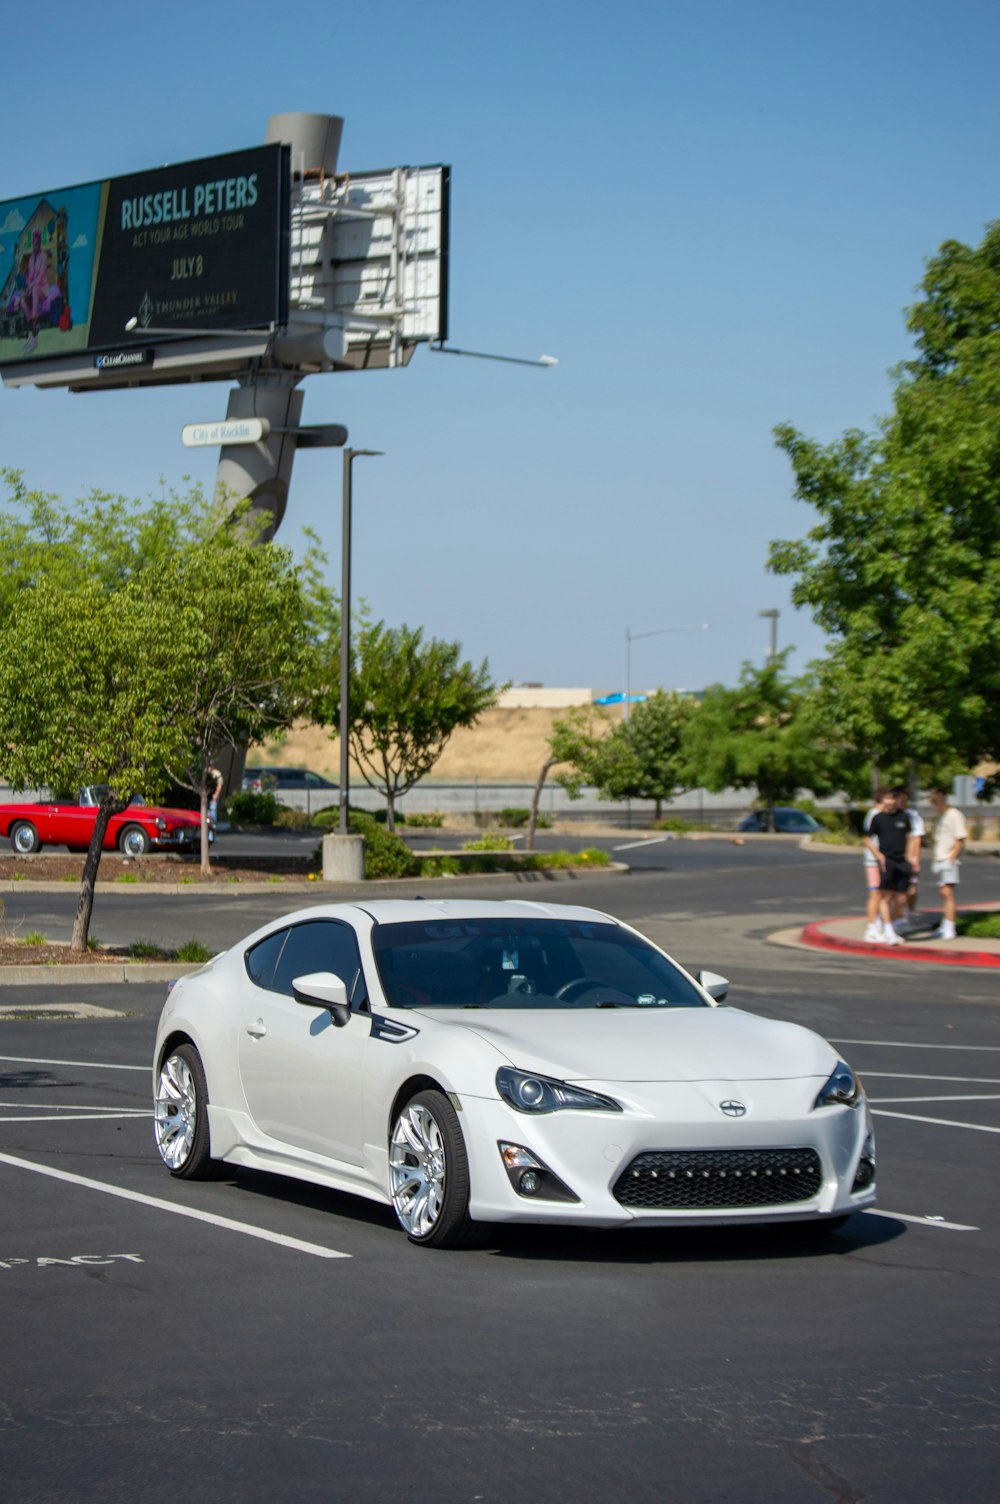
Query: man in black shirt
point(887, 837)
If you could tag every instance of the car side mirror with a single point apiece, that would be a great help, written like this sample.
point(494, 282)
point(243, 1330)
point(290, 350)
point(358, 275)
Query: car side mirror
point(321, 989)
point(714, 985)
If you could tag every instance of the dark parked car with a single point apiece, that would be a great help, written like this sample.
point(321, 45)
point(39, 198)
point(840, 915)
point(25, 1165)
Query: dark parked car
point(278, 780)
point(787, 822)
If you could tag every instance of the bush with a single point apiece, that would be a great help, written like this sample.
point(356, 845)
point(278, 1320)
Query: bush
point(673, 822)
point(386, 854)
point(979, 926)
point(831, 819)
point(293, 819)
point(514, 817)
point(193, 950)
point(430, 821)
point(439, 866)
point(253, 809)
point(490, 843)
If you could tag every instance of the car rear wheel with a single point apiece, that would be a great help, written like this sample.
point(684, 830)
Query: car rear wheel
point(180, 1115)
point(133, 841)
point(24, 838)
point(429, 1173)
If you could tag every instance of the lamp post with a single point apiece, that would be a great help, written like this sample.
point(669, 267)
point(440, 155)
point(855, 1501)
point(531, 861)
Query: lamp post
point(630, 637)
point(773, 613)
point(350, 455)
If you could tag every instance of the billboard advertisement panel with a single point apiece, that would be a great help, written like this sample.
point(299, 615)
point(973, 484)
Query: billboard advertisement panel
point(199, 246)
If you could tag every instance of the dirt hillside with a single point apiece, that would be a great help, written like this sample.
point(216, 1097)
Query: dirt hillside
point(507, 746)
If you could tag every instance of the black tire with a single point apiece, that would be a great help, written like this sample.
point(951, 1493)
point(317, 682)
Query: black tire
point(186, 1155)
point(451, 1225)
point(24, 838)
point(133, 841)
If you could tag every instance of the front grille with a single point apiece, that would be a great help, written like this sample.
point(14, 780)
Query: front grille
point(710, 1178)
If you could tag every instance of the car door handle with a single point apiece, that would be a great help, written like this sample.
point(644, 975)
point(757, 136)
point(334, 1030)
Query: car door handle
point(257, 1030)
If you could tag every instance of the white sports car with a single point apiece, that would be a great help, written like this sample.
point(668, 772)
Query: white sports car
point(503, 1062)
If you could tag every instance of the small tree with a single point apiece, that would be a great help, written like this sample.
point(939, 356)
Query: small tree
point(89, 682)
point(244, 610)
point(643, 757)
point(574, 744)
point(407, 697)
point(765, 734)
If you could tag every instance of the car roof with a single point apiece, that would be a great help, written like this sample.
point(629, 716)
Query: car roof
point(418, 910)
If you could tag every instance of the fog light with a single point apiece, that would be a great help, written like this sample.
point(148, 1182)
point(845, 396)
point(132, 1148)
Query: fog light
point(529, 1182)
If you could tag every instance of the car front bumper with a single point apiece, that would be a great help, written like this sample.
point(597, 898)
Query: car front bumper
point(592, 1154)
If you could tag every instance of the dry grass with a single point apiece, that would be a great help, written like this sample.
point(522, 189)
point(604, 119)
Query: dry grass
point(507, 746)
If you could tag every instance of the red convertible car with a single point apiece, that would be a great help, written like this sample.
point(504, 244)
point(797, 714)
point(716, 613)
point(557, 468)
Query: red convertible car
point(138, 829)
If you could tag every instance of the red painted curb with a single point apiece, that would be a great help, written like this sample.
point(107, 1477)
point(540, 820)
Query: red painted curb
point(814, 934)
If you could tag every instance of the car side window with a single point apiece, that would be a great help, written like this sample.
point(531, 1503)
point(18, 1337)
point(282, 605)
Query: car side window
point(321, 945)
point(261, 960)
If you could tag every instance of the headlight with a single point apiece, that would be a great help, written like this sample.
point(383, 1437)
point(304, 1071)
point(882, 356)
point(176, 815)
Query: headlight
point(161, 824)
point(843, 1088)
point(530, 1093)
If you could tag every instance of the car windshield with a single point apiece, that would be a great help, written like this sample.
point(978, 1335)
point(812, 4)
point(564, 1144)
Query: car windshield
point(525, 963)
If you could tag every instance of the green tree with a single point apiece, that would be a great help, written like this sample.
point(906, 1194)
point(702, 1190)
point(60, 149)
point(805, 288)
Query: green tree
point(764, 734)
point(643, 757)
point(902, 568)
point(89, 682)
point(407, 697)
point(573, 743)
point(248, 675)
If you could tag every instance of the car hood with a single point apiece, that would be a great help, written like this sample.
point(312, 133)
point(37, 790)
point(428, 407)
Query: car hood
point(626, 1044)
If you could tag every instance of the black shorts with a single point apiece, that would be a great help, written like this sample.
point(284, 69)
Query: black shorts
point(895, 875)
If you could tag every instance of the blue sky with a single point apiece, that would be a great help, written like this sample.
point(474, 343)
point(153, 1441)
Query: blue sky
point(712, 213)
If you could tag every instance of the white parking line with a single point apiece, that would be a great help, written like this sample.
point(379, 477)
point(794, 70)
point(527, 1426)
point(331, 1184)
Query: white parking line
point(74, 1107)
point(965, 1097)
point(649, 841)
point(97, 1065)
point(92, 1116)
point(878, 1211)
point(911, 1117)
point(180, 1211)
point(912, 1076)
point(909, 1044)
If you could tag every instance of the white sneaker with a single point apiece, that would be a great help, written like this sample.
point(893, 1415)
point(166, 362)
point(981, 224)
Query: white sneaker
point(946, 930)
point(890, 937)
point(873, 934)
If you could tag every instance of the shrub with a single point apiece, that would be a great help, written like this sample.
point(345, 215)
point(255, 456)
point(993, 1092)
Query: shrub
point(34, 937)
point(386, 854)
point(439, 866)
point(293, 819)
point(979, 926)
point(253, 809)
point(514, 816)
point(192, 950)
point(673, 822)
point(489, 842)
point(430, 821)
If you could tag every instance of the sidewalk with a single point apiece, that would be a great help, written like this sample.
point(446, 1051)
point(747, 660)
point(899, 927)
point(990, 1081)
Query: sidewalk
point(847, 936)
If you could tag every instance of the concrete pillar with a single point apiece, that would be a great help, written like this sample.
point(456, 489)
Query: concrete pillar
point(343, 859)
point(263, 471)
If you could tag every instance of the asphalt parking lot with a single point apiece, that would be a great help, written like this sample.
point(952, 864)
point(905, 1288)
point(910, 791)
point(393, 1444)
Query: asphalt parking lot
point(255, 1338)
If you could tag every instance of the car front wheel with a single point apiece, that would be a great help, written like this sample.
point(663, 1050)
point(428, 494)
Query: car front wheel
point(133, 841)
point(24, 838)
point(180, 1115)
point(429, 1173)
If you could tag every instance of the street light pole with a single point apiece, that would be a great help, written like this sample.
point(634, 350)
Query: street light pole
point(630, 637)
point(773, 613)
point(350, 455)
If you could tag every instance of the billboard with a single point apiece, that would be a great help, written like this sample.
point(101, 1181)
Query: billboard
point(201, 246)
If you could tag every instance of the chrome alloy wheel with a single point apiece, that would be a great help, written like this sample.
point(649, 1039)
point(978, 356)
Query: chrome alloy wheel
point(175, 1112)
point(418, 1169)
point(134, 842)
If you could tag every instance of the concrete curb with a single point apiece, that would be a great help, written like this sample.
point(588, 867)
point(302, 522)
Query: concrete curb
point(818, 937)
point(329, 889)
point(94, 973)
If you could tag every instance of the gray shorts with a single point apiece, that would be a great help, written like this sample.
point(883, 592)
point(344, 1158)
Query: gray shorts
point(946, 873)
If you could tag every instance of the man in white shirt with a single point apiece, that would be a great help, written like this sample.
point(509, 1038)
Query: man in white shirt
point(950, 835)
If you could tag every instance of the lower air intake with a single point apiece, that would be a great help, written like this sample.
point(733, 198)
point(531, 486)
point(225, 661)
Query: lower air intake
point(707, 1179)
